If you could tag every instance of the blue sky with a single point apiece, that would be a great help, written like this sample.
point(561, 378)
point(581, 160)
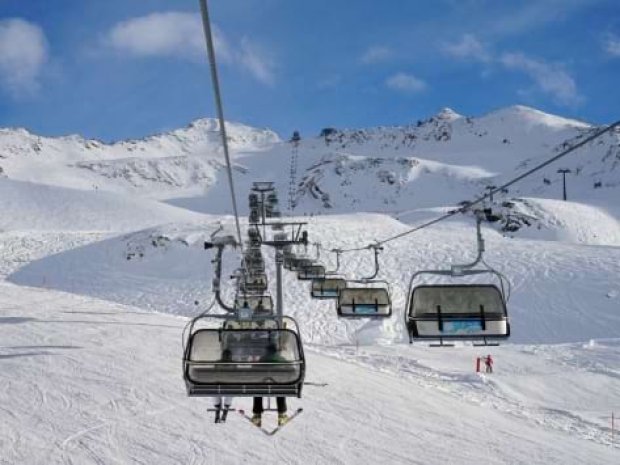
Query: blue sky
point(128, 68)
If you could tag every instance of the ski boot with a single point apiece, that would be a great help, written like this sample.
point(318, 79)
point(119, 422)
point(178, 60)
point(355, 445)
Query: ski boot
point(256, 420)
point(224, 414)
point(282, 419)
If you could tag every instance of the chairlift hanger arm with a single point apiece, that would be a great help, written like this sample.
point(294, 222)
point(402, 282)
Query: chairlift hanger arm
point(376, 249)
point(217, 261)
point(458, 270)
point(337, 252)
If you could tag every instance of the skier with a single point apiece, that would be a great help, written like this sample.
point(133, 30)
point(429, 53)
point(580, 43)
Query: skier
point(272, 356)
point(488, 362)
point(226, 401)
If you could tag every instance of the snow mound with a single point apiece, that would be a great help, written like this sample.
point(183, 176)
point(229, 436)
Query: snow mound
point(28, 206)
point(565, 221)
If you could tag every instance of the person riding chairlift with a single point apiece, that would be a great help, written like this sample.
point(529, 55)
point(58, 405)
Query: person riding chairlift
point(272, 356)
point(226, 401)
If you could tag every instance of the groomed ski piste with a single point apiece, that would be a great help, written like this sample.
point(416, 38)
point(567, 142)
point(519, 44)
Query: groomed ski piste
point(95, 294)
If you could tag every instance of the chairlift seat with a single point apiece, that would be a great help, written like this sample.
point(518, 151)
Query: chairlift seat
point(327, 288)
point(299, 263)
point(364, 302)
point(245, 373)
point(255, 283)
point(465, 311)
point(311, 272)
point(259, 304)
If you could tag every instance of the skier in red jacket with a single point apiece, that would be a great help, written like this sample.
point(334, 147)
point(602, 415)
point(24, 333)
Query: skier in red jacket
point(488, 363)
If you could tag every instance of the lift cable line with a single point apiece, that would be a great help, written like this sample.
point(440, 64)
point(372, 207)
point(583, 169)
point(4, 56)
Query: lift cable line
point(206, 22)
point(489, 194)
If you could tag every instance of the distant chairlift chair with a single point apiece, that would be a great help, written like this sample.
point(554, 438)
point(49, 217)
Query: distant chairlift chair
point(261, 305)
point(327, 288)
point(311, 272)
point(371, 300)
point(474, 312)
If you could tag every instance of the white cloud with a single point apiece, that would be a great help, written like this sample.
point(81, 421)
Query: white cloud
point(180, 35)
point(257, 61)
point(407, 83)
point(468, 48)
point(376, 54)
point(550, 78)
point(23, 52)
point(612, 45)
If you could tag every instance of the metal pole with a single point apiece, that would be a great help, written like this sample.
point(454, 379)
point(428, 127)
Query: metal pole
point(206, 23)
point(279, 295)
point(491, 190)
point(262, 210)
point(564, 184)
point(563, 172)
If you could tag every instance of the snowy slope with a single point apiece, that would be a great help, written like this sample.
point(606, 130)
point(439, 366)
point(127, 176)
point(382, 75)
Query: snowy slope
point(29, 206)
point(562, 292)
point(90, 382)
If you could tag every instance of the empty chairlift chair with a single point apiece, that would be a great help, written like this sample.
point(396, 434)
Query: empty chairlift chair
point(475, 312)
point(370, 300)
point(299, 263)
point(311, 272)
point(365, 302)
point(230, 360)
point(465, 312)
point(327, 288)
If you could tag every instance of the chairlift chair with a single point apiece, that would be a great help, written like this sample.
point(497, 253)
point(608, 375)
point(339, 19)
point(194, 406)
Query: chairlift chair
point(255, 265)
point(254, 283)
point(226, 360)
point(311, 272)
point(262, 186)
point(253, 200)
point(327, 288)
point(475, 312)
point(260, 304)
point(463, 311)
point(300, 263)
point(254, 216)
point(370, 301)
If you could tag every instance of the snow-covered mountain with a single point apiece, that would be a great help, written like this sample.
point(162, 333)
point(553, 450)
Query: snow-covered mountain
point(441, 160)
point(184, 161)
point(402, 170)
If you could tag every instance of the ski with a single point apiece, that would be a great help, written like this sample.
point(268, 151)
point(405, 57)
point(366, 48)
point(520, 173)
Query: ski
point(277, 428)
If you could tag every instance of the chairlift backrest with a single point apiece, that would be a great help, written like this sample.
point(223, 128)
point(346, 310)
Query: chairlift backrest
point(463, 299)
point(311, 272)
point(327, 288)
point(464, 311)
point(241, 362)
point(257, 303)
point(300, 263)
point(361, 302)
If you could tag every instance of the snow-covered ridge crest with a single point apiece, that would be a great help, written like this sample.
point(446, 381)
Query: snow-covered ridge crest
point(457, 156)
